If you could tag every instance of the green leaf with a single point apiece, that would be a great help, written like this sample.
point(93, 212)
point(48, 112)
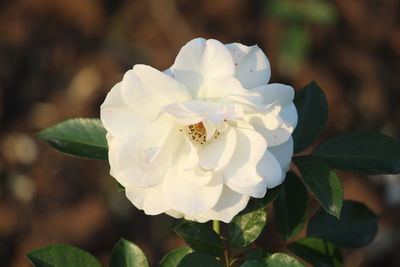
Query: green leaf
point(256, 254)
point(201, 237)
point(291, 207)
point(199, 260)
point(318, 252)
point(322, 181)
point(362, 152)
point(174, 257)
point(80, 137)
point(312, 109)
point(119, 186)
point(61, 255)
point(127, 254)
point(274, 260)
point(247, 225)
point(356, 228)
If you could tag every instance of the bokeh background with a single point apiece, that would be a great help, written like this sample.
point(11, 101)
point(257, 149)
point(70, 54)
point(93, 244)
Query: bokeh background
point(58, 59)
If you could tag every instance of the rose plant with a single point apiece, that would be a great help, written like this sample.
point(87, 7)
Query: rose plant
point(211, 139)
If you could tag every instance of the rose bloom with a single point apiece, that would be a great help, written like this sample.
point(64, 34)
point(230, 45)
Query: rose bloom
point(200, 138)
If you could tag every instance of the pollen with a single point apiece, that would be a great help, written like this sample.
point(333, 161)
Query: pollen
point(197, 133)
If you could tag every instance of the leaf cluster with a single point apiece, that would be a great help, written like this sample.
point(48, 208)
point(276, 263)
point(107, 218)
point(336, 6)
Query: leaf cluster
point(337, 224)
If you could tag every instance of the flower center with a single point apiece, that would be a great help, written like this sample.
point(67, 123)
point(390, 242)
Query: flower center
point(197, 133)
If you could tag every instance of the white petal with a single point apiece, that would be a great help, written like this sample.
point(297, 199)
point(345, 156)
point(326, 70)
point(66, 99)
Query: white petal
point(174, 213)
point(210, 129)
point(270, 169)
point(271, 173)
point(183, 113)
point(220, 87)
point(192, 112)
point(277, 136)
point(283, 153)
point(241, 170)
point(112, 143)
point(146, 89)
point(115, 115)
point(217, 154)
point(289, 114)
point(150, 200)
point(193, 191)
point(190, 154)
point(257, 191)
point(229, 204)
point(273, 92)
point(252, 67)
point(267, 120)
point(200, 60)
point(123, 122)
point(114, 97)
point(135, 168)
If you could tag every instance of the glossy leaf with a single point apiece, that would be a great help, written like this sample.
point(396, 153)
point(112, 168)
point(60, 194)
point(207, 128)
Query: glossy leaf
point(318, 252)
point(119, 186)
point(174, 257)
point(362, 152)
point(199, 260)
point(200, 237)
point(80, 137)
point(256, 254)
point(291, 207)
point(274, 260)
point(247, 225)
point(312, 109)
point(357, 226)
point(63, 256)
point(323, 183)
point(127, 254)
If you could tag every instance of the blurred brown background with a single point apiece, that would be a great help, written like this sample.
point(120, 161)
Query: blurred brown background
point(58, 59)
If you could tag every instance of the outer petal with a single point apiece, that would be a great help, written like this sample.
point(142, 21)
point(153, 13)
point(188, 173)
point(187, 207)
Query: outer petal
point(217, 154)
point(289, 114)
point(229, 204)
point(200, 60)
point(277, 136)
point(241, 170)
point(270, 169)
point(220, 87)
point(193, 191)
point(258, 190)
point(123, 122)
point(146, 89)
point(148, 167)
point(252, 67)
point(175, 214)
point(112, 143)
point(114, 97)
point(283, 153)
point(271, 173)
point(191, 112)
point(268, 121)
point(274, 92)
point(151, 200)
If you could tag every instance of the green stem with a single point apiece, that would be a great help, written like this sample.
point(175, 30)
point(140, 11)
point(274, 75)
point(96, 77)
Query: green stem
point(216, 226)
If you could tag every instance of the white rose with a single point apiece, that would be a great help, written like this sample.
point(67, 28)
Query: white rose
point(201, 138)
